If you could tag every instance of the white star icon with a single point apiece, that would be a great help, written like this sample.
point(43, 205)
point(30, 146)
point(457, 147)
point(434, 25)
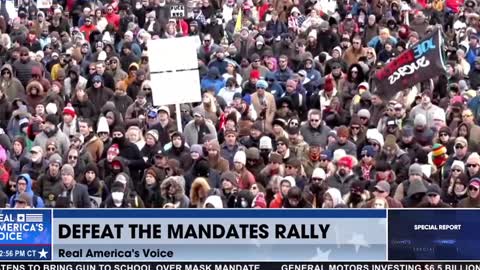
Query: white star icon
point(358, 240)
point(321, 256)
point(43, 253)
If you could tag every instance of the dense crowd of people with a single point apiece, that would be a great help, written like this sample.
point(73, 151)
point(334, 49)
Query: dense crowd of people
point(289, 116)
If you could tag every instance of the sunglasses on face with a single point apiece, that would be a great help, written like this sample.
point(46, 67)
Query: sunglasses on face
point(72, 157)
point(432, 195)
point(379, 191)
point(459, 146)
point(316, 179)
point(472, 165)
point(444, 135)
point(51, 149)
point(456, 170)
point(472, 188)
point(355, 127)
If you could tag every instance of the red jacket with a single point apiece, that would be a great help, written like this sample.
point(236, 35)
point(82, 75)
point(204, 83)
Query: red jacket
point(86, 30)
point(113, 19)
point(277, 202)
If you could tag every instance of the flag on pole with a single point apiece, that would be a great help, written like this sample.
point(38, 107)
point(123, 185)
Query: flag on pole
point(419, 63)
point(238, 23)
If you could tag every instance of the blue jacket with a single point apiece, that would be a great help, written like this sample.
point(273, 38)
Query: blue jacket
point(39, 202)
point(217, 84)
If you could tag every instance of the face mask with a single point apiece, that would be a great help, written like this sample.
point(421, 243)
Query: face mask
point(117, 198)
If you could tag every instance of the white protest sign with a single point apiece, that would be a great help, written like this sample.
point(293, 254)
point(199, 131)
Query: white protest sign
point(177, 11)
point(174, 71)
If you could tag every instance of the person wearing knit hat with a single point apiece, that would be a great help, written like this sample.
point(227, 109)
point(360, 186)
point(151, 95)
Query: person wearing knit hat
point(415, 170)
point(439, 155)
point(254, 75)
point(275, 158)
point(457, 166)
point(70, 111)
point(342, 142)
point(262, 84)
point(112, 152)
point(196, 151)
point(364, 116)
point(67, 169)
point(318, 175)
point(51, 108)
point(344, 175)
point(102, 127)
point(240, 158)
point(265, 143)
point(55, 159)
point(153, 133)
point(368, 151)
point(473, 164)
point(420, 121)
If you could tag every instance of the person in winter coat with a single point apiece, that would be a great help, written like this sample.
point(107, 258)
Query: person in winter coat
point(24, 66)
point(74, 81)
point(295, 199)
point(173, 191)
point(333, 199)
point(120, 98)
point(24, 185)
point(398, 159)
point(137, 111)
point(315, 128)
point(216, 162)
point(35, 95)
point(18, 156)
point(117, 199)
point(38, 75)
point(12, 87)
point(433, 198)
point(179, 151)
point(404, 189)
point(199, 192)
point(129, 152)
point(98, 93)
point(84, 107)
point(150, 188)
point(49, 184)
point(285, 185)
point(196, 129)
point(381, 192)
point(116, 70)
point(51, 132)
point(473, 199)
point(344, 177)
point(92, 144)
point(97, 189)
point(245, 178)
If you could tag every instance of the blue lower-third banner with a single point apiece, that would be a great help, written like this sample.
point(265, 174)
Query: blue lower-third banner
point(214, 235)
point(25, 234)
point(447, 234)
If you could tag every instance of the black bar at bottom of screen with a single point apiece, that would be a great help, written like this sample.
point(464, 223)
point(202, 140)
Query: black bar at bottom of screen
point(240, 266)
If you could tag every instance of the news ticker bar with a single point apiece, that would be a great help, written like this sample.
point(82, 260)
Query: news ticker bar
point(241, 266)
point(242, 235)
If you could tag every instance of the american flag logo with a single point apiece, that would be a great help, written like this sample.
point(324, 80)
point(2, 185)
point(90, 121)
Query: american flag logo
point(34, 217)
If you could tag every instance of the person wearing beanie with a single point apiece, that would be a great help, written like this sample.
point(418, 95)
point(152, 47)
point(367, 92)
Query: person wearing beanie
point(439, 159)
point(229, 182)
point(215, 161)
point(473, 165)
point(73, 195)
point(358, 195)
point(315, 190)
point(151, 145)
point(366, 167)
point(97, 188)
point(196, 152)
point(399, 159)
point(255, 162)
point(52, 132)
point(283, 149)
point(415, 175)
point(120, 98)
point(445, 138)
point(246, 178)
point(98, 93)
point(433, 198)
point(342, 142)
point(344, 176)
point(295, 199)
point(264, 104)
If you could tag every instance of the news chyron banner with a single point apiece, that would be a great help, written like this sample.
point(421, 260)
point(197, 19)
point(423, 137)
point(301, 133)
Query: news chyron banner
point(219, 235)
point(25, 235)
point(438, 234)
